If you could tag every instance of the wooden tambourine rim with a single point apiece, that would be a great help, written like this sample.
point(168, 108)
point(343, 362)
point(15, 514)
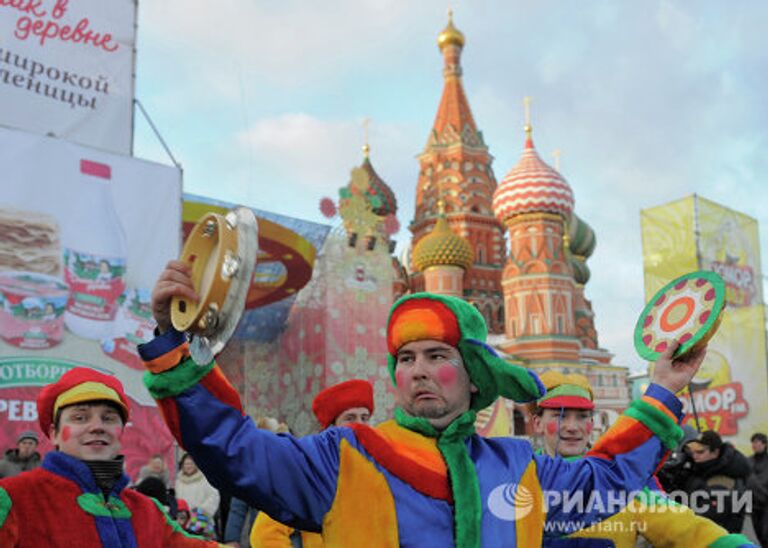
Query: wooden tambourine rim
point(703, 334)
point(202, 247)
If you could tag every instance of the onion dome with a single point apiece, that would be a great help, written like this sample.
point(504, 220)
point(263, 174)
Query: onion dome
point(581, 237)
point(378, 193)
point(450, 34)
point(442, 247)
point(532, 186)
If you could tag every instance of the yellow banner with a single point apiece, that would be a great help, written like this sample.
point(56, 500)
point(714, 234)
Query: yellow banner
point(731, 389)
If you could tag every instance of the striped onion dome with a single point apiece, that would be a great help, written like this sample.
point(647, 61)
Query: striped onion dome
point(442, 247)
point(532, 186)
point(581, 237)
point(378, 194)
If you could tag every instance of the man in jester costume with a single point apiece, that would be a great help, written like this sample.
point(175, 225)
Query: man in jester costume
point(563, 419)
point(79, 495)
point(424, 478)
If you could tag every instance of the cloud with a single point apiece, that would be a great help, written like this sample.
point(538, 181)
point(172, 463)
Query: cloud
point(302, 148)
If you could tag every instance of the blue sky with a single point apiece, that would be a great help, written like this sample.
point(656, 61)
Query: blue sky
point(262, 103)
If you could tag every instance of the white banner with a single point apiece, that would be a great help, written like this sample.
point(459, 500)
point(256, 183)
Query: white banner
point(66, 69)
point(84, 234)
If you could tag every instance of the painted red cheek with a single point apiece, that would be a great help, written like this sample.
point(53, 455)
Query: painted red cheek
point(551, 427)
point(590, 427)
point(66, 433)
point(401, 379)
point(447, 375)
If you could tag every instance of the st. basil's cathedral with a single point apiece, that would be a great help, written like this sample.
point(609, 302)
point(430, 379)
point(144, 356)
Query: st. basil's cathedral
point(516, 250)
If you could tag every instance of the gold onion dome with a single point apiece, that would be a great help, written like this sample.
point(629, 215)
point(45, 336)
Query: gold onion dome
point(442, 247)
point(450, 34)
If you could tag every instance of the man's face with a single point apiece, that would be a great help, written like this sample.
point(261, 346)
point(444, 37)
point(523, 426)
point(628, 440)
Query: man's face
point(353, 414)
point(567, 436)
point(701, 453)
point(156, 465)
point(26, 448)
point(90, 431)
point(758, 446)
point(432, 382)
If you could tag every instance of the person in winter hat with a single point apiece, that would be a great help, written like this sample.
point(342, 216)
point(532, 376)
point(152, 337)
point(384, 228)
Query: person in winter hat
point(23, 457)
point(563, 418)
point(78, 496)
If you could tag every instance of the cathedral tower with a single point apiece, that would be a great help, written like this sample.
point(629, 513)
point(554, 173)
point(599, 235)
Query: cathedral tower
point(455, 168)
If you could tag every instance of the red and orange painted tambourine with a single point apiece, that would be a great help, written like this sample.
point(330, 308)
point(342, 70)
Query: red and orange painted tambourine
point(688, 309)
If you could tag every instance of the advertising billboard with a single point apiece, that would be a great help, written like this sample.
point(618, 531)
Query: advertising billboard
point(83, 236)
point(67, 70)
point(730, 391)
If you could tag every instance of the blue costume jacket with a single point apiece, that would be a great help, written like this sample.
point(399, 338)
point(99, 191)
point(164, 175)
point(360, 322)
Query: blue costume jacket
point(389, 486)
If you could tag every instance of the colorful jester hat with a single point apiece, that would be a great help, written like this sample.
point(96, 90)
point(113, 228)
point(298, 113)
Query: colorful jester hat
point(423, 316)
point(570, 391)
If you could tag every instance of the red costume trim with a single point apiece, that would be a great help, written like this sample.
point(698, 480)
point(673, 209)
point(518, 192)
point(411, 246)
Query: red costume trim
point(218, 385)
point(422, 479)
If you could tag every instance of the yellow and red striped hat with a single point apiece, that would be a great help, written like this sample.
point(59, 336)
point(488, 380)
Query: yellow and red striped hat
point(80, 385)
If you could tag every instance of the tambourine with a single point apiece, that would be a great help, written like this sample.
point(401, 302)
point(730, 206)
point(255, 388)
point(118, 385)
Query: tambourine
point(687, 309)
point(221, 250)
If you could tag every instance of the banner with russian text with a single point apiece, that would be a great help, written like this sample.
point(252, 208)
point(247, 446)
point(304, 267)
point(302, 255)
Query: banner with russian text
point(730, 392)
point(83, 236)
point(66, 69)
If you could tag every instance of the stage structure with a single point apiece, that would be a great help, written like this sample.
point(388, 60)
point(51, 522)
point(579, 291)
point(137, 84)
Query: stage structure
point(76, 273)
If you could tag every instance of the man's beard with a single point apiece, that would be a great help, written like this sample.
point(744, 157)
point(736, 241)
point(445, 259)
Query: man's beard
point(431, 409)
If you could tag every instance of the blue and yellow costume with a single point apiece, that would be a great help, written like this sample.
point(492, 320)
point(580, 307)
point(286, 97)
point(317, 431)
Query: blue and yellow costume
point(650, 513)
point(404, 483)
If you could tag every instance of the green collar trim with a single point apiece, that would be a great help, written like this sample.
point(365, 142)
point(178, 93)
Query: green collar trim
point(95, 505)
point(465, 486)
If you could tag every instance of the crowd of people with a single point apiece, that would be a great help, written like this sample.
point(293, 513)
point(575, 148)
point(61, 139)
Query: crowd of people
point(422, 478)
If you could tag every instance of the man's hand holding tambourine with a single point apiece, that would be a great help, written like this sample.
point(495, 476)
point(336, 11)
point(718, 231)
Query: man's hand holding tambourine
point(674, 374)
point(174, 281)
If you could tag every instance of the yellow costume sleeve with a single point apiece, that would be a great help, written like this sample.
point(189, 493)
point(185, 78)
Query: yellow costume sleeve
point(268, 533)
point(666, 523)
